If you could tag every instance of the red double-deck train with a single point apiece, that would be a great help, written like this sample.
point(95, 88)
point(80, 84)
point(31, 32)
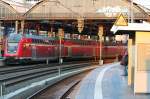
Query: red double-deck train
point(34, 48)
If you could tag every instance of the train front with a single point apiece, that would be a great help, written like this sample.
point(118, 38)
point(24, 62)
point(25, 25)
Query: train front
point(11, 52)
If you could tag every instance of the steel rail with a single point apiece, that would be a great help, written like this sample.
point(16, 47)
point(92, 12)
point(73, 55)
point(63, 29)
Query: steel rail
point(11, 79)
point(11, 69)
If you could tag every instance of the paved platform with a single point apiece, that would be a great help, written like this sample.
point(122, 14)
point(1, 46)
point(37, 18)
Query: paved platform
point(107, 82)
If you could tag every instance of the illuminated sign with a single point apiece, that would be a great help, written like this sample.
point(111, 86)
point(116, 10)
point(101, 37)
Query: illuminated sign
point(112, 11)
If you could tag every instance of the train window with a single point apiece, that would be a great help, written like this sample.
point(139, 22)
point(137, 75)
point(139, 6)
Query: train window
point(89, 43)
point(14, 38)
point(43, 42)
point(50, 42)
point(40, 41)
point(46, 42)
point(37, 41)
point(33, 40)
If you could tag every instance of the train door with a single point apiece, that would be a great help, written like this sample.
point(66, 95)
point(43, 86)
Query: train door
point(34, 52)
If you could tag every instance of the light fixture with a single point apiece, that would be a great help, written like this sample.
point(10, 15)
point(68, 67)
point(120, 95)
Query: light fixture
point(80, 24)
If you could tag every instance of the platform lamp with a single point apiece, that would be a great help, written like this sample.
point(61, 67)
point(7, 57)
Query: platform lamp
point(100, 34)
point(22, 26)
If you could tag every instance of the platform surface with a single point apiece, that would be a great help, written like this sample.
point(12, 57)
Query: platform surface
point(107, 82)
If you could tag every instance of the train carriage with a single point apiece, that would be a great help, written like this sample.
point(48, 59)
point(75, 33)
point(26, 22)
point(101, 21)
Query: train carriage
point(29, 47)
point(34, 48)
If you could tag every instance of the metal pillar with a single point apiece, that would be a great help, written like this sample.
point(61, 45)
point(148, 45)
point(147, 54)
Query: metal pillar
point(2, 89)
point(100, 59)
point(1, 37)
point(47, 61)
point(0, 26)
point(59, 70)
point(100, 33)
point(22, 26)
point(60, 59)
point(61, 34)
point(16, 26)
point(131, 8)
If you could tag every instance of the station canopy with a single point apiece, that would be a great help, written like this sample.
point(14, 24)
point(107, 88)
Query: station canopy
point(87, 9)
point(8, 11)
point(21, 8)
point(50, 9)
point(132, 27)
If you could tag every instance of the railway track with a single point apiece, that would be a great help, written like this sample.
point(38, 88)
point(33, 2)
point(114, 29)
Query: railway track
point(14, 76)
point(66, 89)
point(10, 69)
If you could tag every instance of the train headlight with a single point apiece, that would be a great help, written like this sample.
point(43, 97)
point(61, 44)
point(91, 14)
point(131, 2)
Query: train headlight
point(24, 46)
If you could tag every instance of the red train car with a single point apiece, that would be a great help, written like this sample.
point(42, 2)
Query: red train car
point(29, 47)
point(34, 48)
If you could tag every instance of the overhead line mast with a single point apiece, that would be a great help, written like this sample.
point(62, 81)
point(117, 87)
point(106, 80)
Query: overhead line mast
point(132, 16)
